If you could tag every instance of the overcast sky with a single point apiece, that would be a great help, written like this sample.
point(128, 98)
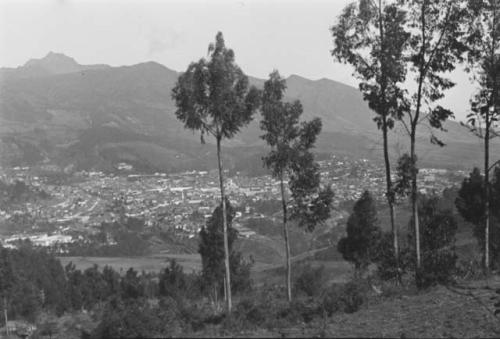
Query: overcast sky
point(291, 36)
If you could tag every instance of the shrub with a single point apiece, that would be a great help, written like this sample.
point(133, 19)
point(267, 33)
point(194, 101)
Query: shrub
point(387, 268)
point(299, 310)
point(173, 281)
point(310, 280)
point(469, 269)
point(353, 296)
point(363, 234)
point(437, 233)
point(253, 312)
point(331, 303)
point(346, 298)
point(437, 268)
point(137, 318)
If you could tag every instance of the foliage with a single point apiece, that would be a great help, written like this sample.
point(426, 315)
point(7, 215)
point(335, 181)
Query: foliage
point(213, 97)
point(483, 41)
point(405, 171)
point(372, 38)
point(346, 298)
point(211, 249)
point(363, 234)
point(437, 231)
point(387, 267)
point(136, 318)
point(434, 49)
point(291, 157)
point(131, 285)
point(31, 280)
point(470, 200)
point(173, 281)
point(471, 205)
point(310, 280)
point(291, 143)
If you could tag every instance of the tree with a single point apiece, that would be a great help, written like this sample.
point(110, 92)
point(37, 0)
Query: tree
point(370, 36)
point(211, 249)
point(135, 318)
point(483, 41)
point(131, 285)
point(437, 231)
point(363, 234)
point(112, 280)
point(213, 97)
point(290, 156)
point(434, 47)
point(173, 280)
point(470, 204)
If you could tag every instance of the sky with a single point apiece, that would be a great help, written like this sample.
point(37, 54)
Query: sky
point(289, 35)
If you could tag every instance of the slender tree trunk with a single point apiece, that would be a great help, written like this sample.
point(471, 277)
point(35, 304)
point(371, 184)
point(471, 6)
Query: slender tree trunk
point(487, 195)
point(5, 315)
point(389, 189)
point(414, 124)
point(227, 281)
point(414, 202)
point(390, 192)
point(287, 242)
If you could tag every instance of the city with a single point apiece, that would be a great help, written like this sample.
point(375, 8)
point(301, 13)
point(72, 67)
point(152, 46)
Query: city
point(169, 201)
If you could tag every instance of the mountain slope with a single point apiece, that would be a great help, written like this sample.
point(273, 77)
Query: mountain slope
point(55, 110)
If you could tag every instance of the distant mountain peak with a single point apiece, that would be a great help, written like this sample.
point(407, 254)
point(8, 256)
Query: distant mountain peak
point(52, 61)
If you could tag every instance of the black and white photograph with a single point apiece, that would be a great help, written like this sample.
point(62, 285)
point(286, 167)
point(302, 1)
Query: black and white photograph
point(249, 169)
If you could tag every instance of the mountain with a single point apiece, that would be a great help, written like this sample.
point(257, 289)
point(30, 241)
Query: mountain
point(52, 63)
point(56, 111)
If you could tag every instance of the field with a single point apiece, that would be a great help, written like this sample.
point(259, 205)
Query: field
point(337, 271)
point(190, 262)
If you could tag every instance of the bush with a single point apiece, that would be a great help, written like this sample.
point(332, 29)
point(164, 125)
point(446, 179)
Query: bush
point(437, 268)
point(387, 268)
point(253, 312)
point(353, 296)
point(298, 311)
point(437, 233)
point(173, 281)
point(346, 298)
point(137, 318)
point(310, 280)
point(469, 269)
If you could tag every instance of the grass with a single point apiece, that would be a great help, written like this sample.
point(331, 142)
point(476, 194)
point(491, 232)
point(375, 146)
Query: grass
point(190, 262)
point(438, 313)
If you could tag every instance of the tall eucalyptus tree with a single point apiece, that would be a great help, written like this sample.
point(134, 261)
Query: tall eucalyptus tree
point(370, 35)
point(213, 97)
point(291, 158)
point(435, 47)
point(483, 41)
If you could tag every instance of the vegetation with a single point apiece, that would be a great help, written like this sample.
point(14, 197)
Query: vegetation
point(371, 37)
point(483, 41)
point(211, 250)
point(437, 232)
point(363, 234)
point(470, 202)
point(213, 97)
point(290, 157)
point(384, 42)
point(434, 48)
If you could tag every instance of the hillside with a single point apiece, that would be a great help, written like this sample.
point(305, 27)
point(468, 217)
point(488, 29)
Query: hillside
point(54, 110)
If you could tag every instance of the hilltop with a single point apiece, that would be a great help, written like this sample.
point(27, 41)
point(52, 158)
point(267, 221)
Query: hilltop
point(55, 111)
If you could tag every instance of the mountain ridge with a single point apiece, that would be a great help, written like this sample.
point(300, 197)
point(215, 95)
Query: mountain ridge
point(52, 109)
